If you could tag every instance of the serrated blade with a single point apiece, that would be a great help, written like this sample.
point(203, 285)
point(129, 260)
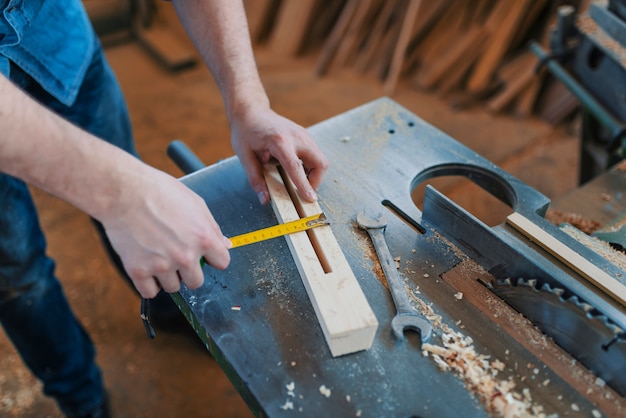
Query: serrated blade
point(574, 325)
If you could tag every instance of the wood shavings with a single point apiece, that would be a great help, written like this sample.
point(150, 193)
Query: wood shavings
point(558, 217)
point(288, 405)
point(325, 391)
point(458, 355)
point(599, 246)
point(498, 365)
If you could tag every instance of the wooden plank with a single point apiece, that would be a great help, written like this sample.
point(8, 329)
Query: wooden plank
point(324, 17)
point(516, 75)
point(480, 11)
point(512, 90)
point(526, 103)
point(458, 72)
point(432, 74)
point(557, 102)
point(443, 34)
point(516, 66)
point(334, 40)
point(399, 53)
point(534, 13)
point(291, 26)
point(528, 336)
point(568, 256)
point(356, 32)
point(428, 16)
point(481, 76)
point(375, 37)
point(348, 322)
point(260, 15)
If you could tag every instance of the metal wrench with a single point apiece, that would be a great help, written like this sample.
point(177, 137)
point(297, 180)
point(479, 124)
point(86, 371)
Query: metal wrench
point(406, 316)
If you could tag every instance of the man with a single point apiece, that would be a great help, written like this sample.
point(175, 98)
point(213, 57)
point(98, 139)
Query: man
point(64, 128)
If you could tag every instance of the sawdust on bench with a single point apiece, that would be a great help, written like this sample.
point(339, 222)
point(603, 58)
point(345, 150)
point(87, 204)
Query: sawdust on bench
point(557, 217)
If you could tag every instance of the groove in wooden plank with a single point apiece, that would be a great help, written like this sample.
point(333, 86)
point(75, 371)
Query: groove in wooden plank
point(568, 256)
point(347, 321)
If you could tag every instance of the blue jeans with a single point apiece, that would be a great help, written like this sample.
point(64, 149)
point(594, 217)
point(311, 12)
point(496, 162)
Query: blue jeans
point(33, 309)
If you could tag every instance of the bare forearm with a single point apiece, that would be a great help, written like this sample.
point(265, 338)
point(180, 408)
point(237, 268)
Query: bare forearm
point(139, 206)
point(56, 156)
point(219, 31)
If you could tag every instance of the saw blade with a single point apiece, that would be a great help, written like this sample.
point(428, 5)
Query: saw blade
point(582, 331)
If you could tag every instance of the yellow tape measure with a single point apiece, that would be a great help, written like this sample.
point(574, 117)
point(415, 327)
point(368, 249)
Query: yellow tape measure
point(279, 230)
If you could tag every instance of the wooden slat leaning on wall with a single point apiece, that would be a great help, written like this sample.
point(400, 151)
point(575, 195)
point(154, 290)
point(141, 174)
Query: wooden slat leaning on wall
point(293, 21)
point(456, 48)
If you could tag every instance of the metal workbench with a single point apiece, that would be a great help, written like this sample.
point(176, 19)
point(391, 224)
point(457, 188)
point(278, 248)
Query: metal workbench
point(258, 321)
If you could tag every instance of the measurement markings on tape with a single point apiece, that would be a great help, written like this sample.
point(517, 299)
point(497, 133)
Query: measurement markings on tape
point(275, 231)
point(279, 230)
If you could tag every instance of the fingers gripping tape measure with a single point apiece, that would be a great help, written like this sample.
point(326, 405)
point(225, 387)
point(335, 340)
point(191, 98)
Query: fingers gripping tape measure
point(245, 239)
point(279, 230)
point(275, 231)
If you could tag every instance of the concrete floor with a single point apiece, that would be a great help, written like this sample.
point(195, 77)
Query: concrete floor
point(172, 376)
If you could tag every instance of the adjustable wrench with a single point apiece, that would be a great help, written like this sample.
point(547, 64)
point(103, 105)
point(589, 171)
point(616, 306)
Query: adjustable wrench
point(406, 316)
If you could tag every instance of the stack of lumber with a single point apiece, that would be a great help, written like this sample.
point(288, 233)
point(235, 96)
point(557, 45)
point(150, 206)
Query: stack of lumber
point(474, 51)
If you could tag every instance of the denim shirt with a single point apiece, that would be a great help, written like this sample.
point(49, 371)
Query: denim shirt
point(51, 40)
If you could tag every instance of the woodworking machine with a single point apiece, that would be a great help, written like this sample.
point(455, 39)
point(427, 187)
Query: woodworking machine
point(588, 54)
point(484, 282)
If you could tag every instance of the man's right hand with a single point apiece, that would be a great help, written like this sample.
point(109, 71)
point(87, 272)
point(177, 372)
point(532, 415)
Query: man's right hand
point(161, 229)
point(158, 226)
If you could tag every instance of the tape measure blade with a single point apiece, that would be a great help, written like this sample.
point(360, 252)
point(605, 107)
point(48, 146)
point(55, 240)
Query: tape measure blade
point(276, 231)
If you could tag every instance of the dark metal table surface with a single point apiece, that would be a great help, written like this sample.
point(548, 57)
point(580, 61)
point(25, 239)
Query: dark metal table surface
point(258, 321)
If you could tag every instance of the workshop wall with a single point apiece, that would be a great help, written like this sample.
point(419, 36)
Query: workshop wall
point(470, 52)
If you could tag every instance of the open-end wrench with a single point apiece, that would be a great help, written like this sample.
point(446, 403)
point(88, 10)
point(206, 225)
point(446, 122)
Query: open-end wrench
point(406, 316)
